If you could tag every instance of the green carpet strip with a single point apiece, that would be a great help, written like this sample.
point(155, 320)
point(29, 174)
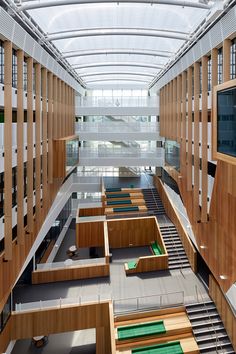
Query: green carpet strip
point(119, 210)
point(113, 189)
point(132, 264)
point(156, 249)
point(117, 202)
point(141, 330)
point(164, 348)
point(121, 195)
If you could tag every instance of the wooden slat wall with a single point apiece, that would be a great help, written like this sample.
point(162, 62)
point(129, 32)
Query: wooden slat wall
point(8, 149)
point(214, 229)
point(16, 251)
point(20, 148)
point(224, 310)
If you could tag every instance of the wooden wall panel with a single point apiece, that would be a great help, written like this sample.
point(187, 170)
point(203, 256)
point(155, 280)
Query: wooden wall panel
point(38, 144)
point(196, 209)
point(132, 232)
point(20, 148)
point(90, 234)
point(189, 154)
point(70, 273)
point(204, 142)
point(72, 318)
point(8, 150)
point(59, 112)
point(30, 223)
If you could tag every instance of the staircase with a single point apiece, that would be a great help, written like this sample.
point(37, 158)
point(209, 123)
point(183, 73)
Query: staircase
point(177, 256)
point(153, 201)
point(208, 328)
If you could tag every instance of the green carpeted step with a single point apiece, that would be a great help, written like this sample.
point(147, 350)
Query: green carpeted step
point(132, 264)
point(121, 195)
point(156, 249)
point(119, 210)
point(164, 348)
point(141, 330)
point(113, 189)
point(117, 202)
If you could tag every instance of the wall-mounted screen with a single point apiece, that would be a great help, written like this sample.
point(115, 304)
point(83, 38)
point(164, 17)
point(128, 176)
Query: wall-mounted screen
point(226, 121)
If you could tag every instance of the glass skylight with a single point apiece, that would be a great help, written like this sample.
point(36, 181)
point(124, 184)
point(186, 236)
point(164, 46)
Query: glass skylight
point(126, 33)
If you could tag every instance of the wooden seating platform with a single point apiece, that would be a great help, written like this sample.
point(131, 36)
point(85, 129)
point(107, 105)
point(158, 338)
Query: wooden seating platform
point(186, 346)
point(126, 210)
point(160, 332)
point(124, 202)
point(121, 196)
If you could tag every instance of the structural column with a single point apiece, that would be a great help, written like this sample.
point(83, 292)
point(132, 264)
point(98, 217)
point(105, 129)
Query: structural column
point(55, 108)
point(45, 143)
point(196, 209)
point(20, 147)
point(183, 130)
point(50, 127)
point(8, 150)
point(30, 222)
point(204, 138)
point(189, 156)
point(38, 144)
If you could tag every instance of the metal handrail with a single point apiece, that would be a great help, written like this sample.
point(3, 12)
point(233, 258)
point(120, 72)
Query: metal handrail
point(210, 320)
point(137, 301)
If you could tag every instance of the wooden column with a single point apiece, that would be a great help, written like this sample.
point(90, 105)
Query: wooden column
point(196, 209)
point(38, 144)
point(189, 155)
point(20, 148)
point(73, 112)
point(58, 108)
point(55, 108)
point(204, 138)
point(214, 81)
point(8, 149)
point(62, 110)
point(179, 123)
point(30, 223)
point(226, 59)
point(50, 127)
point(66, 111)
point(183, 134)
point(44, 139)
point(174, 110)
